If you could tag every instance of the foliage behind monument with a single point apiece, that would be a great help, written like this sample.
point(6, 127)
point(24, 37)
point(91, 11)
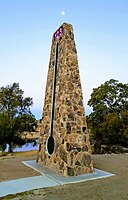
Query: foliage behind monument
point(15, 115)
point(109, 120)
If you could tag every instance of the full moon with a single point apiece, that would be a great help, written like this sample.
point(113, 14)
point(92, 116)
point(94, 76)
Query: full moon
point(62, 13)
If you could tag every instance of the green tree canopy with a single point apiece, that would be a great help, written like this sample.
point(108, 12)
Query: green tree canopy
point(15, 115)
point(109, 120)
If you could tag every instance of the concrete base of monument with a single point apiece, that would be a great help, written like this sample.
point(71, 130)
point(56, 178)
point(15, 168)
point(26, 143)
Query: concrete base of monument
point(46, 179)
point(60, 179)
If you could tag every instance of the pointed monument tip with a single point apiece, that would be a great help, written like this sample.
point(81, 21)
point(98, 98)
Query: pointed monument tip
point(66, 25)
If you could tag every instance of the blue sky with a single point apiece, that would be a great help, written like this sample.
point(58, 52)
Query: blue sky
point(26, 29)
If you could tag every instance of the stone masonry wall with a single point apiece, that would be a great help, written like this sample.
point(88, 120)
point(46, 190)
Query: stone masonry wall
point(72, 153)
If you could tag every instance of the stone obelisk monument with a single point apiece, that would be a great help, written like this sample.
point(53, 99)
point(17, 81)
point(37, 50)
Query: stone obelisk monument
point(64, 145)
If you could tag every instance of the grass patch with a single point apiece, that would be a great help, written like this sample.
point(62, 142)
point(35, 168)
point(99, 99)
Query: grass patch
point(18, 195)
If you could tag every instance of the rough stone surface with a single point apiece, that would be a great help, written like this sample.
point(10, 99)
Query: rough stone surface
point(72, 153)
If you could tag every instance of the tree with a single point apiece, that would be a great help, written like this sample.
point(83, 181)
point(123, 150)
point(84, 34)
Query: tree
point(15, 115)
point(109, 120)
point(3, 130)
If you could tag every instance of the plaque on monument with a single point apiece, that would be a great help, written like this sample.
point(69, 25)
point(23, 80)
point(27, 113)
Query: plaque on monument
point(58, 33)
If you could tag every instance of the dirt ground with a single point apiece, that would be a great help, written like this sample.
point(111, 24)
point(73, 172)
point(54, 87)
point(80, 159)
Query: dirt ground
point(11, 167)
point(112, 188)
